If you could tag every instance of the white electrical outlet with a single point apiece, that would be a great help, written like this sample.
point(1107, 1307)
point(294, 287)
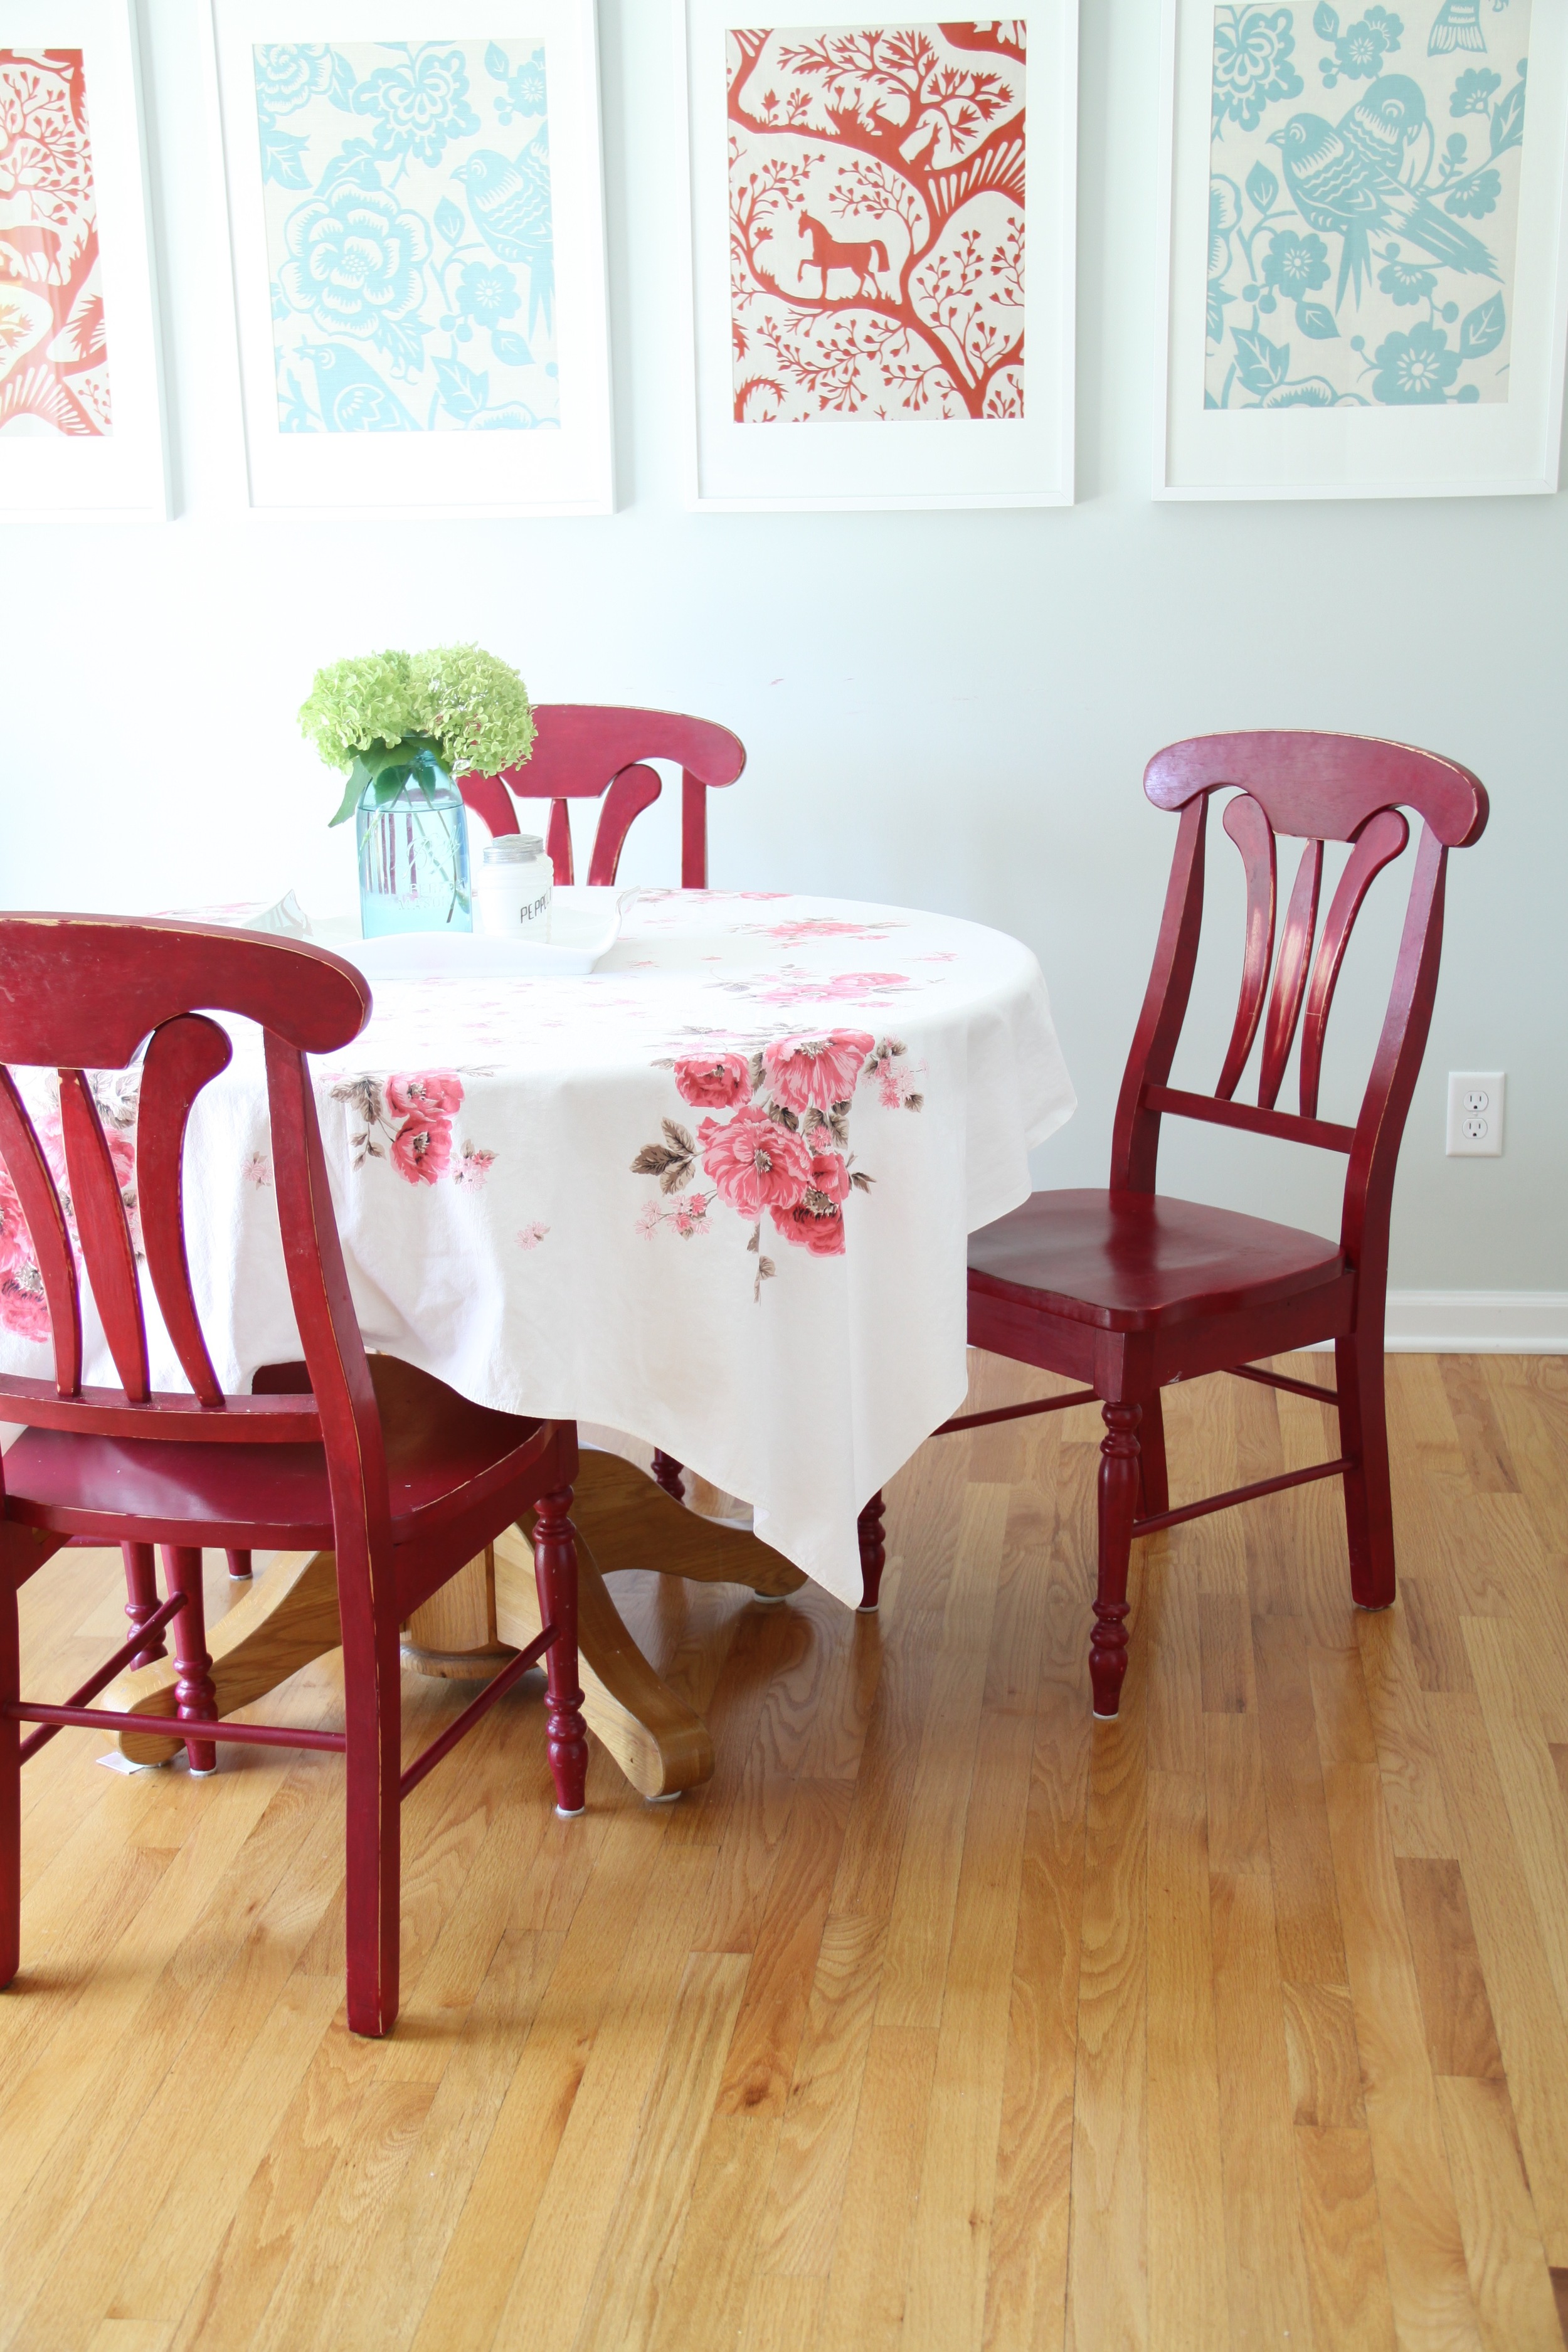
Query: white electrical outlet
point(1475, 1099)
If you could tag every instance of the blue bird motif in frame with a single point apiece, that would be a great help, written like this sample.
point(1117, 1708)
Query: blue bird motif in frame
point(1364, 204)
point(410, 239)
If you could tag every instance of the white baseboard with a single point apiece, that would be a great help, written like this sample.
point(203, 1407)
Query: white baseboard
point(1478, 1323)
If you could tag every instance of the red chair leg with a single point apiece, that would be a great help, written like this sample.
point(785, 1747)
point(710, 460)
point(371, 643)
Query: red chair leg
point(1156, 1487)
point(238, 1564)
point(555, 1573)
point(141, 1599)
point(373, 1722)
point(1119, 1456)
point(873, 1553)
point(194, 1695)
point(10, 1780)
point(1364, 1436)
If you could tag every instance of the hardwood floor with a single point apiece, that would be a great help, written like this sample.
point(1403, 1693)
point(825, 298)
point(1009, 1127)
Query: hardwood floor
point(941, 2018)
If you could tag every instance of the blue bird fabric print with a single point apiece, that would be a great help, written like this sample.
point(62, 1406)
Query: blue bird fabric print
point(1364, 203)
point(409, 234)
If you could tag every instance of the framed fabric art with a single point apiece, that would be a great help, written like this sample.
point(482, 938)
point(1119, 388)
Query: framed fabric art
point(1364, 248)
point(418, 226)
point(82, 422)
point(881, 228)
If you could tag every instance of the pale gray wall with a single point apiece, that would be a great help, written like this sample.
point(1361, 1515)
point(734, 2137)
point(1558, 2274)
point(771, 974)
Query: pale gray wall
point(947, 709)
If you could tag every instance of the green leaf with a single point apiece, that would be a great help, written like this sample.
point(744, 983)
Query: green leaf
point(1484, 328)
point(353, 792)
point(1262, 186)
point(1315, 319)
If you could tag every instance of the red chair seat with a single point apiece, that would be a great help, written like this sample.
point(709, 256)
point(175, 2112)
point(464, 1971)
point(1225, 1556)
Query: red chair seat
point(444, 1456)
point(1133, 1261)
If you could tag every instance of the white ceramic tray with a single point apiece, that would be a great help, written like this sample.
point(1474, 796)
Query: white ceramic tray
point(583, 926)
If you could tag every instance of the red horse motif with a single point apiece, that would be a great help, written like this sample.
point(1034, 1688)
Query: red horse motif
point(827, 253)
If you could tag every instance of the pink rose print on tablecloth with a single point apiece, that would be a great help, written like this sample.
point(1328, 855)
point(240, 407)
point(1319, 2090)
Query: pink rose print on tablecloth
point(754, 1161)
point(688, 1217)
point(814, 1073)
point(784, 1153)
point(23, 1306)
point(530, 1236)
point(712, 1084)
point(422, 1150)
point(425, 1094)
point(408, 1120)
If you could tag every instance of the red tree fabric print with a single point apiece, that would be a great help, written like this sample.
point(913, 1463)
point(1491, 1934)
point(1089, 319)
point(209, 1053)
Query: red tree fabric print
point(877, 223)
point(54, 360)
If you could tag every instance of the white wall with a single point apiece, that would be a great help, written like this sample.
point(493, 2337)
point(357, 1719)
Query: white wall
point(947, 709)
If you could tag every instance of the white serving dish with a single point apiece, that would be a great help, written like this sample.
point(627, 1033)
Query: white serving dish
point(584, 925)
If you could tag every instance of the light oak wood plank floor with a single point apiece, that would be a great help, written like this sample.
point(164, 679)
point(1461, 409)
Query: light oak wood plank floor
point(942, 2017)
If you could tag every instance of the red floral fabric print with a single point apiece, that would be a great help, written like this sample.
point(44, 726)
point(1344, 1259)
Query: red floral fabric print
point(756, 1163)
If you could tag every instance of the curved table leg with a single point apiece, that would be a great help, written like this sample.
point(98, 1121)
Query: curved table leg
point(289, 1617)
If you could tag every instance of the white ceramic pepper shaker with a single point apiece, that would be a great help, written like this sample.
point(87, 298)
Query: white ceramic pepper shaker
point(514, 886)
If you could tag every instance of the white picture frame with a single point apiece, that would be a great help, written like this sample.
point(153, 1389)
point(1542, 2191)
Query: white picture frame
point(827, 463)
point(382, 435)
point(1437, 446)
point(82, 433)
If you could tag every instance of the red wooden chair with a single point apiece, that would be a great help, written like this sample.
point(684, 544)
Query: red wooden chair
point(397, 1476)
point(1128, 1289)
point(584, 751)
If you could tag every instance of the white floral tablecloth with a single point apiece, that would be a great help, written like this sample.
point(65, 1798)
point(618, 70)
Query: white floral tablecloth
point(714, 1194)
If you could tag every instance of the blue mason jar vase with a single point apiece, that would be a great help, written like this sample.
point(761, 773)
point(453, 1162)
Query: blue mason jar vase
point(413, 861)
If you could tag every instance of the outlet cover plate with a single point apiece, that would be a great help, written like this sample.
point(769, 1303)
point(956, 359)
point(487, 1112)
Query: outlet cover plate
point(1477, 1100)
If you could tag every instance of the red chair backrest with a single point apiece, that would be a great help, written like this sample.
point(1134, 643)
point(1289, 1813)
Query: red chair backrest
point(1317, 788)
point(585, 749)
point(80, 993)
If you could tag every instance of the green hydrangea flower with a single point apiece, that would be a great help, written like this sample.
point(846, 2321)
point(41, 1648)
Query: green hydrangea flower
point(478, 709)
point(391, 718)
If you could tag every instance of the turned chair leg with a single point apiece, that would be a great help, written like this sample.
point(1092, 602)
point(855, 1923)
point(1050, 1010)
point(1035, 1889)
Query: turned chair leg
point(555, 1574)
point(1156, 1487)
point(141, 1599)
point(1120, 1457)
point(873, 1553)
point(666, 1473)
point(1363, 1437)
point(195, 1698)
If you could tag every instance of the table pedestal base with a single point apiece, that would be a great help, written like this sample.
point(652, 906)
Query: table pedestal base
point(623, 1521)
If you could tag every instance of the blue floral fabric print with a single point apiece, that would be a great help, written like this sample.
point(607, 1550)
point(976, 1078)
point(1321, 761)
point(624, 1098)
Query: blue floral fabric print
point(410, 235)
point(1364, 203)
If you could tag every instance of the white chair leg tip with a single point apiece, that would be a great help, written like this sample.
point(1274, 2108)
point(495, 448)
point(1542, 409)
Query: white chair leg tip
point(867, 1608)
point(570, 1814)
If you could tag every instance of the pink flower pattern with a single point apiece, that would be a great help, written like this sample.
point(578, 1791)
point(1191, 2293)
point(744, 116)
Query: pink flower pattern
point(784, 1151)
point(24, 1307)
point(713, 1084)
point(408, 1120)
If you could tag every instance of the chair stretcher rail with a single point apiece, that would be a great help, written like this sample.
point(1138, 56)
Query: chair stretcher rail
point(1015, 1411)
point(1152, 1526)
